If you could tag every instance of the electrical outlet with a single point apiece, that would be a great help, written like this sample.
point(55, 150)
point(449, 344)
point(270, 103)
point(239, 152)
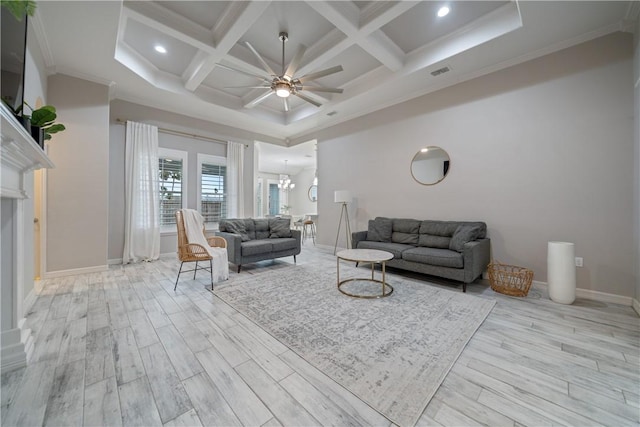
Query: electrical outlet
point(579, 261)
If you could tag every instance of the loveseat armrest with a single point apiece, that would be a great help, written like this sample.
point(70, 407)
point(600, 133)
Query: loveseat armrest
point(477, 255)
point(234, 250)
point(358, 237)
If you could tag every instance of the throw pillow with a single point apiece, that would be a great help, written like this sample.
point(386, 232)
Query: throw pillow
point(237, 227)
point(279, 227)
point(379, 230)
point(463, 234)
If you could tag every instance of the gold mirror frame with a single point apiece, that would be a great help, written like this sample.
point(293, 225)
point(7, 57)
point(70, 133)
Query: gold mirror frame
point(313, 193)
point(430, 165)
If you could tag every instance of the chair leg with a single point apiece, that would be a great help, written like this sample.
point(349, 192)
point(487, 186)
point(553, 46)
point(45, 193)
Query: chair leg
point(195, 270)
point(239, 268)
point(179, 271)
point(211, 271)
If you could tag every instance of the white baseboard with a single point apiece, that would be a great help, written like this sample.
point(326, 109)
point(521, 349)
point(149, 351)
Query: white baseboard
point(114, 261)
point(74, 271)
point(597, 295)
point(636, 306)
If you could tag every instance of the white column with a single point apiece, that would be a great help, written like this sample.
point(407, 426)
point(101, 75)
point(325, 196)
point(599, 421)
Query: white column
point(561, 272)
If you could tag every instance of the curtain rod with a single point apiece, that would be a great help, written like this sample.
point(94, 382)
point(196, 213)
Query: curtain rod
point(180, 133)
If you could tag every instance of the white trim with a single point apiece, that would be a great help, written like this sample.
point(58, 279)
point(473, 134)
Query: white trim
point(597, 295)
point(74, 271)
point(636, 306)
point(114, 261)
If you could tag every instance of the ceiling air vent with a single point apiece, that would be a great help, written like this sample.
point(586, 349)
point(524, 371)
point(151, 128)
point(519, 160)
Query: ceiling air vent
point(440, 71)
point(333, 113)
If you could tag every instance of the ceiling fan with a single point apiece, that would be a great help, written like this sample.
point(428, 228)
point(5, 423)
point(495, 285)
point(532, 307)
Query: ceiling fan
point(285, 84)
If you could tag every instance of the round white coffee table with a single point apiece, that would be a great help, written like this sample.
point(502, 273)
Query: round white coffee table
point(372, 256)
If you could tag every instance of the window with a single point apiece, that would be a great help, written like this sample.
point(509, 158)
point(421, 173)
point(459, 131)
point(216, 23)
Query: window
point(212, 197)
point(172, 167)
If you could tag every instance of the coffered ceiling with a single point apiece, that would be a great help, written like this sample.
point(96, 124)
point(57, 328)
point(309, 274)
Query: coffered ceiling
point(390, 51)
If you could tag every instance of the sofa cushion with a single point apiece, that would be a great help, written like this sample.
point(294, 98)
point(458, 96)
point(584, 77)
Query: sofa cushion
point(235, 226)
point(438, 228)
point(279, 227)
point(262, 228)
point(431, 241)
point(380, 230)
point(464, 234)
point(404, 238)
point(403, 225)
point(284, 244)
point(434, 256)
point(249, 225)
point(255, 247)
point(395, 248)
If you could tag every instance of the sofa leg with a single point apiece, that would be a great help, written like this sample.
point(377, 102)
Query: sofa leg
point(239, 268)
point(464, 287)
point(294, 259)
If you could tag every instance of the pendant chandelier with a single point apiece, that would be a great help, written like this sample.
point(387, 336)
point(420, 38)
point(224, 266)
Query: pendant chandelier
point(285, 181)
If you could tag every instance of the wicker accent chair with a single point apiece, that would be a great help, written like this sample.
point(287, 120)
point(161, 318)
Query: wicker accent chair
point(193, 252)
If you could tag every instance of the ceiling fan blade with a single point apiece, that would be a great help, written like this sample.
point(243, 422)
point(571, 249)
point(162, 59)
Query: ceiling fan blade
point(286, 104)
point(259, 99)
point(309, 100)
point(322, 73)
point(322, 89)
point(237, 70)
point(262, 61)
point(248, 87)
point(295, 62)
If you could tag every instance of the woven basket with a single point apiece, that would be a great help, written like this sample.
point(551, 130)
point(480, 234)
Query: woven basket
point(510, 279)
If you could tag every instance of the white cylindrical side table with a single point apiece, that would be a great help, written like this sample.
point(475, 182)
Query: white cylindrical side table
point(561, 272)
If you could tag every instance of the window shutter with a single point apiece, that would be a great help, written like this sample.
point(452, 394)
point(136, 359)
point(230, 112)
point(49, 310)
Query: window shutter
point(213, 192)
point(170, 174)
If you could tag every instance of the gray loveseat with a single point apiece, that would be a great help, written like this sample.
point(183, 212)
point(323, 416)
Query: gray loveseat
point(252, 240)
point(457, 250)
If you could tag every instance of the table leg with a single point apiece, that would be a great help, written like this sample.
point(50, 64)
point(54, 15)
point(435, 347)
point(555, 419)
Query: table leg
point(383, 274)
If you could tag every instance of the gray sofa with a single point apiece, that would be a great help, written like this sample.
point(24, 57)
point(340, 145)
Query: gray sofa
point(251, 240)
point(457, 250)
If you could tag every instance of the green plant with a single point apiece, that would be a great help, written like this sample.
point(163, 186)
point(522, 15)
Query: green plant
point(19, 8)
point(44, 118)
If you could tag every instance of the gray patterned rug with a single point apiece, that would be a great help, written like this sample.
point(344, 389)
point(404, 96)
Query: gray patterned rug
point(392, 353)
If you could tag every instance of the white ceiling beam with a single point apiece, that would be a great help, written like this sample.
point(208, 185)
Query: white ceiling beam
point(341, 14)
point(379, 13)
point(494, 24)
point(234, 22)
point(166, 21)
point(328, 47)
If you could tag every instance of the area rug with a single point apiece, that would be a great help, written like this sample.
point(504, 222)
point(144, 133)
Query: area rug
point(392, 353)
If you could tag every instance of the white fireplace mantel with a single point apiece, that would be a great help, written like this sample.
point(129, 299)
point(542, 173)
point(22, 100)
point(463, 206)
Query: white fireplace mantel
point(19, 155)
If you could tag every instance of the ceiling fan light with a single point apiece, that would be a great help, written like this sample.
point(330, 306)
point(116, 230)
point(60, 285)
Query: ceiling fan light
point(283, 90)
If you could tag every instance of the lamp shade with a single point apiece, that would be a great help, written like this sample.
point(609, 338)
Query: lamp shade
point(342, 196)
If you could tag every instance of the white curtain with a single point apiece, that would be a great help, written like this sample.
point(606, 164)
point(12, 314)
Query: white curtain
point(142, 200)
point(235, 172)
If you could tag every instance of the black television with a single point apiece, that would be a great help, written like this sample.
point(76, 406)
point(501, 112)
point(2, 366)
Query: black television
point(13, 36)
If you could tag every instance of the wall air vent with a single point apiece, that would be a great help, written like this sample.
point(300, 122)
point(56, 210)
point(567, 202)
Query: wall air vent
point(440, 71)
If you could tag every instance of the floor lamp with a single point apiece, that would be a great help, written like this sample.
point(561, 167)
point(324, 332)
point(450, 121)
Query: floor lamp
point(344, 197)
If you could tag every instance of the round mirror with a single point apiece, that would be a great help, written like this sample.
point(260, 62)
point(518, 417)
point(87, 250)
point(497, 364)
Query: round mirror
point(430, 165)
point(313, 193)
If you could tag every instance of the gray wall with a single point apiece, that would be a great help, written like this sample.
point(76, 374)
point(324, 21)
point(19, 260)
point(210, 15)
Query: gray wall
point(540, 151)
point(77, 189)
point(128, 111)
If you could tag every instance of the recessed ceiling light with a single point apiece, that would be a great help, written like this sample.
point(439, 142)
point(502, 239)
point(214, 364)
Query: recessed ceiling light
point(160, 48)
point(443, 11)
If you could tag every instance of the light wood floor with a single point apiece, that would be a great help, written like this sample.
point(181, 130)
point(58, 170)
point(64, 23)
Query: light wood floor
point(122, 348)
